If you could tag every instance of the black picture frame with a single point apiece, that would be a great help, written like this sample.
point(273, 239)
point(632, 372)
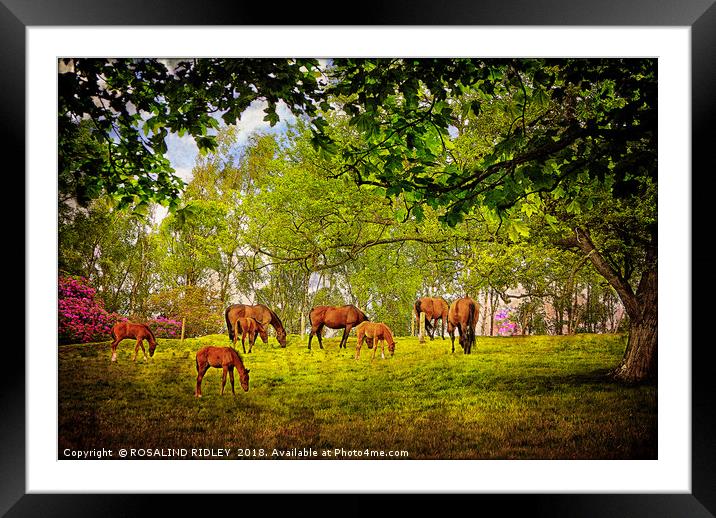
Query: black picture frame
point(699, 15)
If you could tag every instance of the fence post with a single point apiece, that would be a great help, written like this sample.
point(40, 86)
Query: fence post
point(183, 321)
point(422, 327)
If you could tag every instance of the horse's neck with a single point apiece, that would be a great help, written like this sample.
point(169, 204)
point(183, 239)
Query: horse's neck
point(237, 362)
point(275, 321)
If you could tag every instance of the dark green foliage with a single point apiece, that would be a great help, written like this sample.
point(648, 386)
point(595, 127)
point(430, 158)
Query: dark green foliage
point(132, 105)
point(564, 121)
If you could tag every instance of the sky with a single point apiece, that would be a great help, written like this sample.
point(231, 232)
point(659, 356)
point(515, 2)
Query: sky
point(182, 151)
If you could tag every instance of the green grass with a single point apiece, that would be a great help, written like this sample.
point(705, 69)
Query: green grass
point(537, 397)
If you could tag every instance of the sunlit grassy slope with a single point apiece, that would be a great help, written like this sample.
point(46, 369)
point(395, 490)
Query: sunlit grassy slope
point(537, 397)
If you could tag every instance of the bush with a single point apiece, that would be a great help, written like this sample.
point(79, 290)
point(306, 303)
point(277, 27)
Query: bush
point(505, 325)
point(164, 327)
point(81, 316)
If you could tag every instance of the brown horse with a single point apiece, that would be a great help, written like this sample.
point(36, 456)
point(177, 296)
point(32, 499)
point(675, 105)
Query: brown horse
point(122, 330)
point(375, 331)
point(248, 326)
point(259, 312)
point(225, 357)
point(434, 308)
point(463, 316)
point(335, 317)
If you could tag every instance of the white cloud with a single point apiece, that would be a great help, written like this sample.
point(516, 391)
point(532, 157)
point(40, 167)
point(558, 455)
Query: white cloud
point(252, 120)
point(181, 151)
point(185, 173)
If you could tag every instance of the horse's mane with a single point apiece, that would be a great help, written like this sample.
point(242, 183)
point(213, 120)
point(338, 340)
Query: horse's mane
point(275, 319)
point(237, 356)
point(151, 333)
point(389, 334)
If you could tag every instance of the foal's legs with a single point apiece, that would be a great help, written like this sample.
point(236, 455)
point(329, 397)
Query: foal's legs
point(358, 345)
point(223, 378)
point(231, 377)
point(136, 349)
point(201, 368)
point(243, 337)
point(114, 349)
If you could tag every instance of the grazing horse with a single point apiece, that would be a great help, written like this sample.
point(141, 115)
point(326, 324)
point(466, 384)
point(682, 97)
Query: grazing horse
point(375, 331)
point(259, 312)
point(463, 316)
point(122, 330)
point(248, 326)
point(434, 308)
point(335, 317)
point(225, 357)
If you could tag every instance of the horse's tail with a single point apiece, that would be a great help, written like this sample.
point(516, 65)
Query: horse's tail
point(228, 324)
point(418, 309)
point(471, 323)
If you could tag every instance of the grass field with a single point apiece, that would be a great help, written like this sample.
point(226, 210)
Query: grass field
point(537, 397)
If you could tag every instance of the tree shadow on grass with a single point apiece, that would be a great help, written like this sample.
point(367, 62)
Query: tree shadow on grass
point(598, 380)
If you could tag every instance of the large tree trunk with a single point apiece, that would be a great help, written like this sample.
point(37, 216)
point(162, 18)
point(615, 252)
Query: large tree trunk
point(640, 357)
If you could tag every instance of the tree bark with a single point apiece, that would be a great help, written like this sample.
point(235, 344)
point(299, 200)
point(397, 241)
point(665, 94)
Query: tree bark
point(640, 357)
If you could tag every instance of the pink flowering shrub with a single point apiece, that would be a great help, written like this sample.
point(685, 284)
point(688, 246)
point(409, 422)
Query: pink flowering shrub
point(505, 326)
point(82, 317)
point(164, 327)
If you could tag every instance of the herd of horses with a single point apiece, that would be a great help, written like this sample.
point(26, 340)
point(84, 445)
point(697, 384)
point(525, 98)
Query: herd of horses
point(252, 320)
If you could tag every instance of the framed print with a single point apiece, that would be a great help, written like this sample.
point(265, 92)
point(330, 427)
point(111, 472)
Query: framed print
point(669, 472)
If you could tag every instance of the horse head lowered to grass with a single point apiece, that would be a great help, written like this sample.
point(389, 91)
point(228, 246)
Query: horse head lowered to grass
point(376, 333)
point(259, 312)
point(435, 308)
point(225, 358)
point(463, 316)
point(141, 332)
